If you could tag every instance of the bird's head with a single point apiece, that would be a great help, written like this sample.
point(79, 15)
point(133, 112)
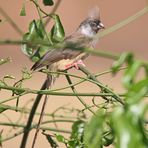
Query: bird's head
point(92, 24)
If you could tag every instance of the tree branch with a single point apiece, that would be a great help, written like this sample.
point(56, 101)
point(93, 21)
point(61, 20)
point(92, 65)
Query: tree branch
point(103, 88)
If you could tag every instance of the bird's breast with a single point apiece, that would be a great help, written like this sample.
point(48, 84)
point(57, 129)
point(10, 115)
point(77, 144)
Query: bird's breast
point(62, 64)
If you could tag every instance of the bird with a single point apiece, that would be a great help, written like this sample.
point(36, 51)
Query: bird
point(66, 57)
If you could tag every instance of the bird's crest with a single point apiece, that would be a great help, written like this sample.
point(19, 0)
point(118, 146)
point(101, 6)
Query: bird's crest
point(94, 13)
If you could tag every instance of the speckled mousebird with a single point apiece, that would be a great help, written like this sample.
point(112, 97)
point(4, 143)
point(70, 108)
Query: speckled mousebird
point(65, 58)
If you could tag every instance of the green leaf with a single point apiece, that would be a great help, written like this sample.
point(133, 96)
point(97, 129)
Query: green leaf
point(76, 138)
point(2, 109)
point(146, 69)
point(2, 83)
point(48, 2)
point(39, 53)
point(128, 127)
point(137, 92)
point(35, 34)
point(78, 129)
point(130, 73)
point(57, 31)
point(94, 130)
point(23, 11)
point(107, 140)
point(123, 58)
point(52, 142)
point(108, 136)
point(60, 138)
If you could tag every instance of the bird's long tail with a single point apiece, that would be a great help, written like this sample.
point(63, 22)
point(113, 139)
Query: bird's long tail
point(47, 84)
point(37, 65)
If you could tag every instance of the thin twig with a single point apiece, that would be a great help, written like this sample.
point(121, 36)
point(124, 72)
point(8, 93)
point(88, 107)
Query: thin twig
point(11, 22)
point(74, 84)
point(38, 6)
point(103, 88)
point(41, 19)
point(123, 23)
point(96, 52)
point(33, 127)
point(13, 97)
point(53, 11)
point(50, 92)
point(79, 98)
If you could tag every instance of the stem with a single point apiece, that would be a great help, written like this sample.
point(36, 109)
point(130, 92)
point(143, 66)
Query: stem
point(123, 23)
point(79, 98)
point(50, 92)
point(33, 127)
point(104, 88)
point(96, 52)
point(11, 22)
point(53, 11)
point(39, 9)
point(13, 97)
point(26, 111)
point(82, 78)
point(74, 84)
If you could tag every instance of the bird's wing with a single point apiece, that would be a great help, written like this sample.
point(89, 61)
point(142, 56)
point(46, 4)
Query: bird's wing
point(56, 55)
point(48, 58)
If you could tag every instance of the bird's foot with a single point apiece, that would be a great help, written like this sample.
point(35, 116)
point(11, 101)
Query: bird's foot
point(75, 64)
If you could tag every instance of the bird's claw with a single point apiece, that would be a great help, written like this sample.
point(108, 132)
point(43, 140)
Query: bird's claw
point(75, 64)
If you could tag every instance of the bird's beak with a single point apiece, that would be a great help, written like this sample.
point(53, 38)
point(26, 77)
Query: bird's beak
point(101, 26)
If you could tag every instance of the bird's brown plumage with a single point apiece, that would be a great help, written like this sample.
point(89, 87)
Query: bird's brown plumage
point(65, 55)
point(57, 59)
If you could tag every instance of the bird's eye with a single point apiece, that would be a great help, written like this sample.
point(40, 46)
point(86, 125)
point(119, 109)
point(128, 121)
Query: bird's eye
point(93, 24)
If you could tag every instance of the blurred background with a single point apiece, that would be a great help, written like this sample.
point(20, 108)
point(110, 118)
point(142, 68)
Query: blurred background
point(133, 37)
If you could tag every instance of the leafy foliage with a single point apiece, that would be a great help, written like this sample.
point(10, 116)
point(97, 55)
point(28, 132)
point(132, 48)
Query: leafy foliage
point(120, 125)
point(52, 142)
point(57, 31)
point(128, 126)
point(94, 131)
point(2, 109)
point(48, 2)
point(23, 10)
point(76, 139)
point(37, 34)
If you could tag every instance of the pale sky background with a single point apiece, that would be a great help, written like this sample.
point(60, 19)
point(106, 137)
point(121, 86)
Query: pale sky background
point(133, 37)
